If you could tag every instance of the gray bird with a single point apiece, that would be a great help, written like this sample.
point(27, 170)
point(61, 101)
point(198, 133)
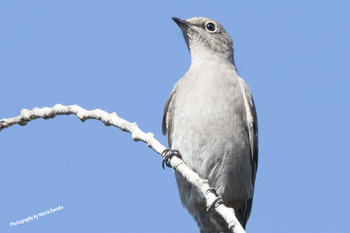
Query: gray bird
point(211, 120)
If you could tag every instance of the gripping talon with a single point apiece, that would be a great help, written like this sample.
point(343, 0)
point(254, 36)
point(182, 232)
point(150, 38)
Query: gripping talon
point(218, 201)
point(167, 155)
point(211, 190)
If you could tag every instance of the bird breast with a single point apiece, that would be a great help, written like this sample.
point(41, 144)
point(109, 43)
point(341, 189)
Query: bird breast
point(210, 129)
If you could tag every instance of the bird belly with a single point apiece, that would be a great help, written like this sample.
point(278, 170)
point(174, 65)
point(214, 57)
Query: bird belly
point(212, 137)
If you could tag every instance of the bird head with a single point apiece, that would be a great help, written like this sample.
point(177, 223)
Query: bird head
point(206, 36)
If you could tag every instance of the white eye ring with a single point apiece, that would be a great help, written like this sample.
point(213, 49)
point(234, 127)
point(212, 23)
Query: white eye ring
point(210, 27)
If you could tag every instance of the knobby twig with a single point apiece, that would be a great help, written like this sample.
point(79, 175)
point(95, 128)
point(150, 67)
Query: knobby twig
point(138, 135)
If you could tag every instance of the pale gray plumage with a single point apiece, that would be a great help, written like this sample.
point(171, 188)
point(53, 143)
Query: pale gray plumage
point(211, 120)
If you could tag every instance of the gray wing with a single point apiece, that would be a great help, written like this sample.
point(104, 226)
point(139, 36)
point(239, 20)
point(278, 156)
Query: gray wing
point(168, 116)
point(252, 122)
point(253, 131)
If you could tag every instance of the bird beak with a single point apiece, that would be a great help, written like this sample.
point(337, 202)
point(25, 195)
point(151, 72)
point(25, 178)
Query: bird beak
point(181, 22)
point(184, 26)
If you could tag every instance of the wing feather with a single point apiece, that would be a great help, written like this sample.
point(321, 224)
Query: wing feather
point(168, 116)
point(252, 123)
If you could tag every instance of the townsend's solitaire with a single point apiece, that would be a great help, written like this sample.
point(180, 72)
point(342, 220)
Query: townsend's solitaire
point(211, 120)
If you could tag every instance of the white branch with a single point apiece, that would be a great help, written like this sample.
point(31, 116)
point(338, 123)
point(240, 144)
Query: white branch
point(138, 135)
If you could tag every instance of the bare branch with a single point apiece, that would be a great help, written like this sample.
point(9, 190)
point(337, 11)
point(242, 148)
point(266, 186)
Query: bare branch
point(138, 135)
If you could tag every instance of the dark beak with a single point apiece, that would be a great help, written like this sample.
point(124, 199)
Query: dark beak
point(180, 22)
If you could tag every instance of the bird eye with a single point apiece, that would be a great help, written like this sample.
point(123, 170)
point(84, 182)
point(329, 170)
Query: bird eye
point(210, 27)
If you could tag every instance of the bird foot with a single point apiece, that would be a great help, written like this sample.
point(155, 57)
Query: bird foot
point(218, 201)
point(167, 155)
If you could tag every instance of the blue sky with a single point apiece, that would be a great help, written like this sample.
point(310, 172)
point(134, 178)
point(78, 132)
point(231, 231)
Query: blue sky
point(125, 57)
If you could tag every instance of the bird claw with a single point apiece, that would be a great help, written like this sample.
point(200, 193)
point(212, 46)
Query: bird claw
point(211, 190)
point(218, 201)
point(167, 155)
